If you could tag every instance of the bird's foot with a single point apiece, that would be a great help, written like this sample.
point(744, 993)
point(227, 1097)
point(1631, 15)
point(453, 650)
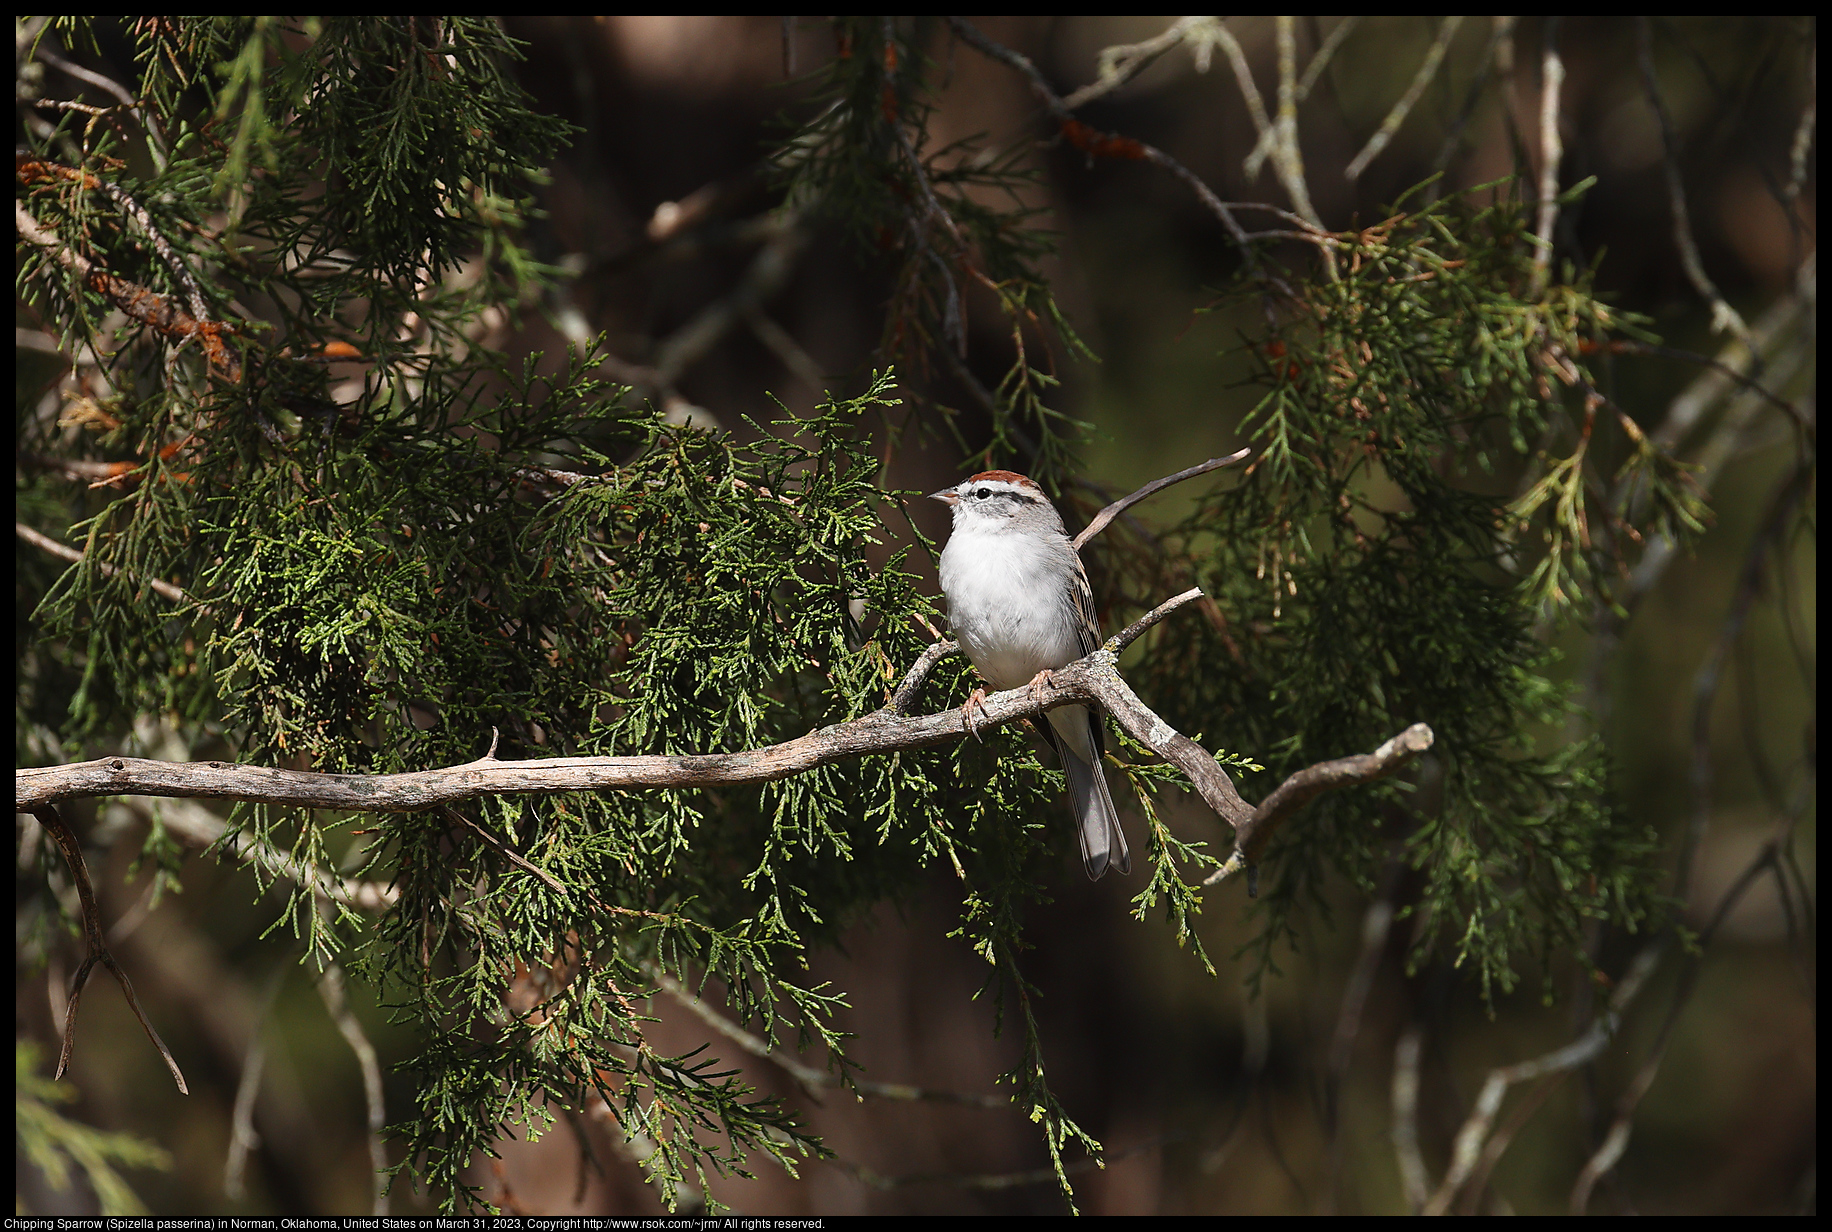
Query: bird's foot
point(1038, 684)
point(975, 700)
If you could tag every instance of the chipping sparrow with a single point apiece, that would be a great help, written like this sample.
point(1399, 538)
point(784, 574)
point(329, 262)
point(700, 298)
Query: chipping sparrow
point(1019, 601)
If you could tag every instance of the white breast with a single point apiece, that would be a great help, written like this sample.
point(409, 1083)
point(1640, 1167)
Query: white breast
point(1008, 606)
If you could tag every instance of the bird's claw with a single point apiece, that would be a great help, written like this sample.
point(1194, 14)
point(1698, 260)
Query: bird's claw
point(977, 698)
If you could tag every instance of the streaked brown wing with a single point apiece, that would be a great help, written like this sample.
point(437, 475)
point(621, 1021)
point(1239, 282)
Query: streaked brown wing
point(1087, 617)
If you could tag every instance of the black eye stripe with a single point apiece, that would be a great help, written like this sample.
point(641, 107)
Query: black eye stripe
point(1009, 493)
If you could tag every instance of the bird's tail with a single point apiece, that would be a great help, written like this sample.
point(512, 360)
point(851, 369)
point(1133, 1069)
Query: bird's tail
point(1102, 840)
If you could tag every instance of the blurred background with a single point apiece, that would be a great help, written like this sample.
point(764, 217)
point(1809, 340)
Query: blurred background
point(1210, 1100)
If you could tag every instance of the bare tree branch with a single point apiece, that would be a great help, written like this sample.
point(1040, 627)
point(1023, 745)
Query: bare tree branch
point(1101, 520)
point(197, 826)
point(919, 672)
point(96, 948)
point(63, 552)
point(1094, 679)
point(1434, 56)
point(1249, 92)
point(1252, 835)
point(1466, 1153)
point(1500, 30)
point(1723, 316)
point(1095, 143)
point(1615, 1141)
point(1119, 64)
point(1376, 925)
point(1287, 158)
point(810, 1078)
point(1313, 72)
point(1768, 541)
point(1551, 151)
point(156, 145)
point(331, 991)
point(244, 1139)
point(1415, 1182)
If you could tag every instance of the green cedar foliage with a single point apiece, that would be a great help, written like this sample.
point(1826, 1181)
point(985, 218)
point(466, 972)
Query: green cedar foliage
point(1375, 572)
point(473, 546)
point(61, 1149)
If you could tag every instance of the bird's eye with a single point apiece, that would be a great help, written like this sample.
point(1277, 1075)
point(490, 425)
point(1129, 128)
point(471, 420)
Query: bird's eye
point(982, 493)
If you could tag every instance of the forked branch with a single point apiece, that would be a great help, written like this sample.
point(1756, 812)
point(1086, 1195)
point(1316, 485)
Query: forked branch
point(95, 945)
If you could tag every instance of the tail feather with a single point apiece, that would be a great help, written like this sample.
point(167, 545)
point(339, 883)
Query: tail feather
point(1103, 843)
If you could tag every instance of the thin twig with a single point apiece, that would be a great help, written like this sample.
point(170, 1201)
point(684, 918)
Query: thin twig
point(1501, 1139)
point(906, 690)
point(678, 352)
point(62, 552)
point(1789, 320)
point(337, 1005)
point(1723, 316)
point(1313, 72)
point(148, 307)
point(1551, 151)
point(1434, 56)
point(792, 354)
point(1303, 786)
point(1119, 64)
point(993, 1181)
point(1466, 1153)
point(1708, 678)
point(954, 324)
point(72, 69)
point(1615, 1140)
point(1101, 520)
point(200, 828)
point(194, 295)
point(1125, 147)
point(1131, 633)
point(1287, 157)
point(1628, 346)
point(244, 1139)
point(1375, 928)
point(95, 947)
point(1256, 105)
point(1415, 1181)
point(1767, 542)
point(1500, 29)
point(156, 138)
point(810, 1078)
point(507, 852)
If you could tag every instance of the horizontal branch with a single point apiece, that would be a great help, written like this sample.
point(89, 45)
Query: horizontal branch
point(1092, 679)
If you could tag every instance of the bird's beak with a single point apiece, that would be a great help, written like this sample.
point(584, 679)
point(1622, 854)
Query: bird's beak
point(947, 496)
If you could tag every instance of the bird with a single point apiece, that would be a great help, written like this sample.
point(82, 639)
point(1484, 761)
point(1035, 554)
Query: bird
point(1020, 605)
